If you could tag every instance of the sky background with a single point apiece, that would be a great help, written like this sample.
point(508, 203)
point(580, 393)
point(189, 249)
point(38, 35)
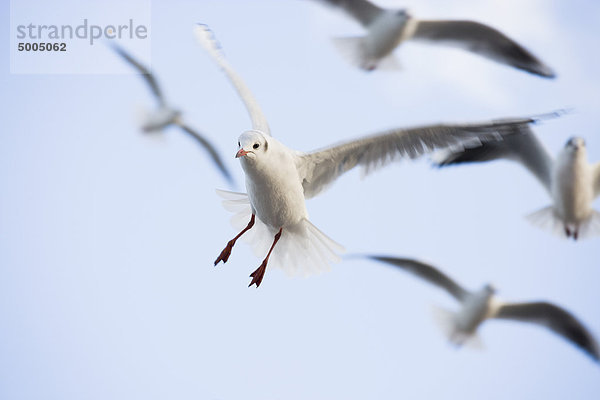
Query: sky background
point(107, 236)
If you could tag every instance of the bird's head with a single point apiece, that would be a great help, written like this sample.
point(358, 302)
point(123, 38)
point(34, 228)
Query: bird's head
point(575, 144)
point(251, 145)
point(403, 13)
point(489, 289)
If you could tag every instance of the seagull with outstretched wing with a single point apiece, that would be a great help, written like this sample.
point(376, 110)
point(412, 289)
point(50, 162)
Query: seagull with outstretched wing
point(279, 179)
point(479, 306)
point(570, 180)
point(389, 28)
point(164, 116)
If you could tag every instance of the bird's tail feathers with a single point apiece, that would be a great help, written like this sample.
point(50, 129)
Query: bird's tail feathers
point(305, 250)
point(446, 321)
point(390, 63)
point(301, 250)
point(591, 226)
point(143, 119)
point(547, 219)
point(473, 342)
point(352, 48)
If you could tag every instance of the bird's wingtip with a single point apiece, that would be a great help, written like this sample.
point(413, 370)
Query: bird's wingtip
point(552, 114)
point(546, 72)
point(202, 26)
point(207, 37)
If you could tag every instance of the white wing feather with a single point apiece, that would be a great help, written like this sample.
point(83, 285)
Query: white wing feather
point(207, 39)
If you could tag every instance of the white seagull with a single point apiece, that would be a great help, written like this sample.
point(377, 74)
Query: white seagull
point(388, 28)
point(478, 306)
point(279, 179)
point(165, 115)
point(570, 180)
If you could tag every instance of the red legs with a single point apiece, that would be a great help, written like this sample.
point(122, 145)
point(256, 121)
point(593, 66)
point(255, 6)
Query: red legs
point(257, 276)
point(572, 233)
point(224, 256)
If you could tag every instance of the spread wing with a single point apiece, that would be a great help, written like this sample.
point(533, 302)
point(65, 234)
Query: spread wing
point(555, 318)
point(146, 74)
point(321, 168)
point(362, 10)
point(206, 38)
point(210, 149)
point(483, 40)
point(427, 272)
point(521, 146)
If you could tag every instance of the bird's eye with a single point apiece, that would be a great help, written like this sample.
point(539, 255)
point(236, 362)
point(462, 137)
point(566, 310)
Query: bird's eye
point(256, 145)
point(239, 144)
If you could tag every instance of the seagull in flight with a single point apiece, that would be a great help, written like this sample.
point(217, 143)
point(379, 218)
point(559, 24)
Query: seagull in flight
point(165, 115)
point(388, 28)
point(279, 179)
point(481, 305)
point(570, 180)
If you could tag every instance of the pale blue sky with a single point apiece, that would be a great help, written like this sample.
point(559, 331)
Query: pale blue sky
point(107, 237)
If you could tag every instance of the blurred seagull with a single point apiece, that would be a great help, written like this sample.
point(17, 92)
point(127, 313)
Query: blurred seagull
point(387, 29)
point(478, 306)
point(279, 179)
point(571, 181)
point(165, 115)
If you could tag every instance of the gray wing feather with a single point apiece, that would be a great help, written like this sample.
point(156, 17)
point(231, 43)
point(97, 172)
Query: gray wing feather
point(210, 149)
point(428, 273)
point(555, 318)
point(362, 10)
point(521, 146)
point(483, 40)
point(319, 169)
point(146, 74)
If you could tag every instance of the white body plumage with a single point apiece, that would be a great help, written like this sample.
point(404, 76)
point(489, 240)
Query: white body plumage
point(572, 184)
point(272, 181)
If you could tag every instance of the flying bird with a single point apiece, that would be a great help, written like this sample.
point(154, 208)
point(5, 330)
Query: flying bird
point(279, 179)
point(388, 28)
point(481, 305)
point(570, 180)
point(165, 115)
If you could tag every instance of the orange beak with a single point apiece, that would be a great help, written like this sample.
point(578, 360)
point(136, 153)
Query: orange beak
point(240, 153)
